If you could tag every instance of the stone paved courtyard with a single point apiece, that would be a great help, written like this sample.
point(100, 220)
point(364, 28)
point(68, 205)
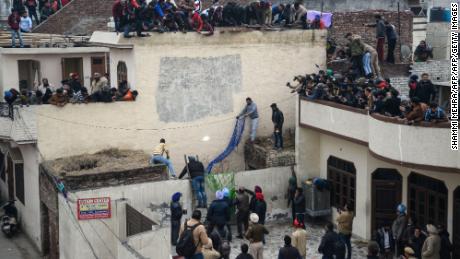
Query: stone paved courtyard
point(275, 241)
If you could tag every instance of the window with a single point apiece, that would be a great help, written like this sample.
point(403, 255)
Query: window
point(427, 200)
point(342, 175)
point(2, 166)
point(122, 72)
point(19, 181)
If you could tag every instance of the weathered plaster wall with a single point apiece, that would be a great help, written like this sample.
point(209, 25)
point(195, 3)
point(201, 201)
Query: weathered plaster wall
point(268, 61)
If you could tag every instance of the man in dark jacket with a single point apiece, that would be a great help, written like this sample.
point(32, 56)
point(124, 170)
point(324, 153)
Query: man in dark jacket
point(425, 89)
point(242, 213)
point(446, 245)
point(278, 120)
point(244, 253)
point(299, 206)
point(398, 227)
point(218, 213)
point(416, 241)
point(386, 242)
point(328, 243)
point(288, 251)
point(392, 37)
point(260, 207)
point(380, 32)
point(176, 216)
point(196, 170)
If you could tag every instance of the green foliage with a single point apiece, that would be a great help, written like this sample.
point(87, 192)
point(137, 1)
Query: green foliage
point(219, 181)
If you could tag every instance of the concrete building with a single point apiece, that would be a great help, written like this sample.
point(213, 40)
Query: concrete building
point(376, 162)
point(190, 88)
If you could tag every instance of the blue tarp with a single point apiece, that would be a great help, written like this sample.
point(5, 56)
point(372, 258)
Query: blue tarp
point(234, 141)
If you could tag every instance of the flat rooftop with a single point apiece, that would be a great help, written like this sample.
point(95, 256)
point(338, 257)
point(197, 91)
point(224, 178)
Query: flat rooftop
point(110, 167)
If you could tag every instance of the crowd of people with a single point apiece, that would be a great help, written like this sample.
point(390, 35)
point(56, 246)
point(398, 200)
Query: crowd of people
point(24, 12)
point(71, 91)
point(377, 96)
point(407, 240)
point(188, 15)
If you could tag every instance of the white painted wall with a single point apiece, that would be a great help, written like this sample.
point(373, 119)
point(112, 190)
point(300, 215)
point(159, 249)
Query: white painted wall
point(343, 122)
point(365, 165)
point(30, 212)
point(50, 66)
point(419, 145)
point(268, 59)
point(274, 182)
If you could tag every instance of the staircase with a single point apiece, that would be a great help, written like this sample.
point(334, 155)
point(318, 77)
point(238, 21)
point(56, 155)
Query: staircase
point(419, 30)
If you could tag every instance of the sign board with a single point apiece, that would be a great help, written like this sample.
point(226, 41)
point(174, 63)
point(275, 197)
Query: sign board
point(94, 208)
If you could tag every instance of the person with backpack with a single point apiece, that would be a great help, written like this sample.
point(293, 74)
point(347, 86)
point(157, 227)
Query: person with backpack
point(176, 216)
point(192, 238)
point(255, 235)
point(331, 245)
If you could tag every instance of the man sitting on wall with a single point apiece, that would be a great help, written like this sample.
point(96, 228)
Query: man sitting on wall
point(423, 52)
point(59, 98)
point(158, 157)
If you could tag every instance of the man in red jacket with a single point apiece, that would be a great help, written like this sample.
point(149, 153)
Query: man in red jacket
point(13, 21)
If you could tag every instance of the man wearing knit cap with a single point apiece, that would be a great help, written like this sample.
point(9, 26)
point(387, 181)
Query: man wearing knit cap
point(218, 212)
point(398, 227)
point(432, 245)
point(255, 235)
point(176, 216)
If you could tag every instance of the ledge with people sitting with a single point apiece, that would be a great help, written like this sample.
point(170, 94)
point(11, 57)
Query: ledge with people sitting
point(72, 91)
point(374, 97)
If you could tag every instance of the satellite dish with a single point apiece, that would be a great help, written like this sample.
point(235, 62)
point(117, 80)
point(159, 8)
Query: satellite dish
point(406, 53)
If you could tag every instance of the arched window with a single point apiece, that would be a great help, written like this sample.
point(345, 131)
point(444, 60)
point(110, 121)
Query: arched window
point(122, 72)
point(342, 175)
point(427, 200)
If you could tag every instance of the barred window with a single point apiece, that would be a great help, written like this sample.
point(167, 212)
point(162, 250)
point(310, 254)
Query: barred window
point(342, 175)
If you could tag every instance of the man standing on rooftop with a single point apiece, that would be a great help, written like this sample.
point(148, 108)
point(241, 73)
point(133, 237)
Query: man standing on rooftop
point(250, 110)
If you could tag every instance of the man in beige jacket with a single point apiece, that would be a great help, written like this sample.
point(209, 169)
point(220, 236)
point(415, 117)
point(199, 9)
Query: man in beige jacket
point(99, 83)
point(345, 226)
point(299, 238)
point(200, 238)
point(432, 244)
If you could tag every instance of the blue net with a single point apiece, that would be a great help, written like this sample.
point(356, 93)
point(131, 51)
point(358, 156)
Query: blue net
point(234, 141)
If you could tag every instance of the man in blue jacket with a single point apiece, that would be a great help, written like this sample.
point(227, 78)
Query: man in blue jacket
point(218, 212)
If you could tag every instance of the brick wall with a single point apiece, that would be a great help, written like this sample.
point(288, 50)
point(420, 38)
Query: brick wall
point(344, 22)
point(439, 70)
point(79, 17)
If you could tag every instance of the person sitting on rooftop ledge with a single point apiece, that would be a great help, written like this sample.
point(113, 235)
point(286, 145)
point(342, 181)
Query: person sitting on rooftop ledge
point(423, 52)
point(158, 157)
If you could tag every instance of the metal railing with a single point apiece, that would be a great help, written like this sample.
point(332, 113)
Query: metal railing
point(6, 110)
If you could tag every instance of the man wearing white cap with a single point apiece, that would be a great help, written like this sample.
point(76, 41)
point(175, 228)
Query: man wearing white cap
point(432, 245)
point(255, 235)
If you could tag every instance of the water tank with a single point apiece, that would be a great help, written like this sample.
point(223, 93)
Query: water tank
point(439, 14)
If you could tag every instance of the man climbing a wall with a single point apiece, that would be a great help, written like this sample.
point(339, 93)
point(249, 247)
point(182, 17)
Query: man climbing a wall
point(250, 110)
point(158, 157)
point(196, 170)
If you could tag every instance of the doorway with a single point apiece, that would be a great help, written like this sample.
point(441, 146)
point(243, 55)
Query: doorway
point(72, 65)
point(427, 200)
point(386, 195)
point(10, 178)
point(98, 65)
point(456, 227)
point(29, 72)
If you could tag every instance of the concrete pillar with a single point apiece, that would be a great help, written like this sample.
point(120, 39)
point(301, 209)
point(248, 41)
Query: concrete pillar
point(119, 215)
point(307, 153)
